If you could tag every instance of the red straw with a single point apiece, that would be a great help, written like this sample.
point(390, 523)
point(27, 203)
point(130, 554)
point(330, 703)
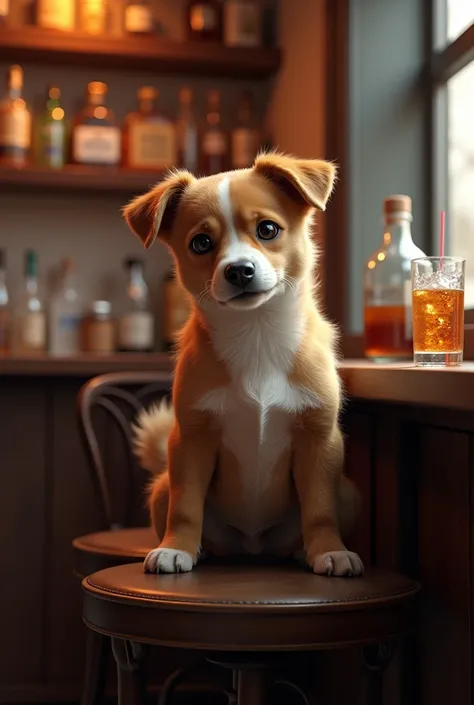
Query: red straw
point(441, 238)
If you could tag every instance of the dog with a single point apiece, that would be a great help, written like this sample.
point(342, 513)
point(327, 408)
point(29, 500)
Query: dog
point(249, 457)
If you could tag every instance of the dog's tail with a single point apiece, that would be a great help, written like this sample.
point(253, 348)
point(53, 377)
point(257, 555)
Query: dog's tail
point(151, 434)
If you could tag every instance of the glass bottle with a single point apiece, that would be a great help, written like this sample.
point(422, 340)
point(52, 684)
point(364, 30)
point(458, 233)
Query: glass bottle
point(245, 138)
point(50, 138)
point(93, 16)
point(4, 11)
point(30, 318)
point(186, 130)
point(214, 140)
point(56, 14)
point(99, 329)
point(96, 138)
point(136, 324)
point(139, 17)
point(5, 315)
point(204, 20)
point(15, 122)
point(387, 287)
point(243, 23)
point(65, 314)
point(149, 136)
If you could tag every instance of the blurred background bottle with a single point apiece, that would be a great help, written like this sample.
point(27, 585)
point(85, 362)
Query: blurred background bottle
point(186, 131)
point(387, 286)
point(5, 313)
point(245, 137)
point(136, 324)
point(50, 139)
point(29, 328)
point(214, 141)
point(96, 137)
point(65, 314)
point(149, 136)
point(15, 121)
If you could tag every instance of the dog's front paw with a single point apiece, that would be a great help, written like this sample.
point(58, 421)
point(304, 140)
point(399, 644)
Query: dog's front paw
point(338, 563)
point(168, 560)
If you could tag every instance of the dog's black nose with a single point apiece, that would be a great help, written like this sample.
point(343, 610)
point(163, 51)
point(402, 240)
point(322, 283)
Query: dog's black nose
point(240, 273)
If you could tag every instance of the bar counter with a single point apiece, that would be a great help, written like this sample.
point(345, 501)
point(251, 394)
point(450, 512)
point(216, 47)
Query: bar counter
point(409, 447)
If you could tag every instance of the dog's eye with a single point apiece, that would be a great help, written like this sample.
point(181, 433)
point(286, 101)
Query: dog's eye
point(267, 230)
point(201, 244)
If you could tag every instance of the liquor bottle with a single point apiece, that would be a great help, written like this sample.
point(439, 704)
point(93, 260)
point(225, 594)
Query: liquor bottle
point(96, 138)
point(15, 122)
point(50, 138)
point(29, 326)
point(65, 314)
point(5, 316)
point(387, 287)
point(149, 137)
point(93, 16)
point(186, 131)
point(136, 324)
point(4, 11)
point(242, 23)
point(139, 17)
point(204, 20)
point(176, 311)
point(214, 140)
point(245, 138)
point(56, 14)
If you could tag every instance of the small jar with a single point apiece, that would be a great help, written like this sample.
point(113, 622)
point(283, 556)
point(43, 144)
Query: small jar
point(99, 332)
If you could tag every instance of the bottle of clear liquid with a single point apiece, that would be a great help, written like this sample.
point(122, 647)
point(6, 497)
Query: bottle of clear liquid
point(30, 319)
point(136, 324)
point(5, 316)
point(65, 315)
point(387, 287)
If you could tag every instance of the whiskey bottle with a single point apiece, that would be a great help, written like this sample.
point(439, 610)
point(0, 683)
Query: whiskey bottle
point(15, 122)
point(214, 140)
point(4, 11)
point(93, 16)
point(139, 17)
point(51, 133)
point(96, 138)
point(243, 23)
point(136, 324)
point(149, 137)
point(245, 138)
point(186, 131)
point(5, 316)
point(29, 329)
point(204, 20)
point(56, 14)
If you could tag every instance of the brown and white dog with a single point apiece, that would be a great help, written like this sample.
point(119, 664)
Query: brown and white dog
point(254, 450)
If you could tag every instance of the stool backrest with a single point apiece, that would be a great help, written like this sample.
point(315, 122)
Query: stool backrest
point(115, 400)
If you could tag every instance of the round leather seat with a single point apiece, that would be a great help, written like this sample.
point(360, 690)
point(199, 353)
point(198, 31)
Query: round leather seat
point(94, 552)
point(235, 607)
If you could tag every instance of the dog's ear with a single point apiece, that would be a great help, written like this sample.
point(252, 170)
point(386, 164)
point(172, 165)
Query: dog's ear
point(309, 181)
point(152, 215)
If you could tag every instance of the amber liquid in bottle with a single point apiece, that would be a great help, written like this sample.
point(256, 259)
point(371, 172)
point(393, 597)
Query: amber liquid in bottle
point(214, 144)
point(388, 328)
point(96, 138)
point(15, 122)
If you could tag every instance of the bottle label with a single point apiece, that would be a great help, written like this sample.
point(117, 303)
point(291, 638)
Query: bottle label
point(33, 332)
point(96, 145)
point(244, 147)
point(136, 331)
point(52, 144)
point(138, 18)
point(15, 129)
point(57, 14)
point(407, 300)
point(152, 145)
point(203, 18)
point(242, 25)
point(214, 143)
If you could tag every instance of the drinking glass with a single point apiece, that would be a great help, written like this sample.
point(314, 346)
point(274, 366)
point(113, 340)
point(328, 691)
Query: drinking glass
point(438, 311)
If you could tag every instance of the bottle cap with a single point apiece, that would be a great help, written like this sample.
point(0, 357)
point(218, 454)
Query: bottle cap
point(132, 262)
point(15, 77)
point(54, 92)
point(97, 88)
point(147, 93)
point(101, 308)
point(397, 203)
point(185, 94)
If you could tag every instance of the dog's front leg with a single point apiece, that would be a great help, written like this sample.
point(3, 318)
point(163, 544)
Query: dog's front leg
point(317, 469)
point(192, 460)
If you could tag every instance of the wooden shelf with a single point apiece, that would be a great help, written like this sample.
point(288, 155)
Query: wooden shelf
point(90, 180)
point(146, 53)
point(84, 365)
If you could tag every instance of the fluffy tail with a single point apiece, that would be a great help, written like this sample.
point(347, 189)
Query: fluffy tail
point(151, 436)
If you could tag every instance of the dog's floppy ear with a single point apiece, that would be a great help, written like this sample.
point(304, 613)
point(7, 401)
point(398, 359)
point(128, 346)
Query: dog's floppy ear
point(152, 215)
point(308, 180)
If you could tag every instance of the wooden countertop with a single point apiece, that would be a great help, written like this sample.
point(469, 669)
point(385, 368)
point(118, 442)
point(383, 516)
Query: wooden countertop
point(450, 388)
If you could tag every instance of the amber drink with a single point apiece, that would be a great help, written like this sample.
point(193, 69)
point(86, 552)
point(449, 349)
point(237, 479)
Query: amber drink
point(438, 311)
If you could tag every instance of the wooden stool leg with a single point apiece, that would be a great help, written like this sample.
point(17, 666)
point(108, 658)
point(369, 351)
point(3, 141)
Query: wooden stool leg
point(130, 658)
point(98, 651)
point(252, 686)
point(376, 661)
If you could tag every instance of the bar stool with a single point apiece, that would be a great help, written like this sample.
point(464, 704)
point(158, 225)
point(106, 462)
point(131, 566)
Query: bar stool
point(246, 619)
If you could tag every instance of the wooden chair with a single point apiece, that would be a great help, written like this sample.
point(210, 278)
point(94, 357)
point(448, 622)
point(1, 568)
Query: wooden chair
point(248, 619)
point(120, 396)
